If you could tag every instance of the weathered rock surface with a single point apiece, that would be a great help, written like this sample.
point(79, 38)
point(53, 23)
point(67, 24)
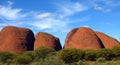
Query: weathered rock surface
point(107, 41)
point(16, 40)
point(45, 39)
point(83, 38)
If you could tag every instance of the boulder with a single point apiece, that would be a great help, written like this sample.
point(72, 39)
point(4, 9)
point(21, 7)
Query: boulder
point(16, 40)
point(107, 41)
point(45, 39)
point(83, 38)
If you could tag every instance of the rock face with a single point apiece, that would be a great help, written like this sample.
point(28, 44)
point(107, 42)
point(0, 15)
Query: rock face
point(107, 41)
point(16, 40)
point(83, 38)
point(45, 39)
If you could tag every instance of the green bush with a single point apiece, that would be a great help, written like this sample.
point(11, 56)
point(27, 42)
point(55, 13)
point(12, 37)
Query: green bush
point(23, 59)
point(52, 60)
point(42, 52)
point(116, 50)
point(30, 53)
point(105, 53)
point(6, 57)
point(116, 58)
point(90, 55)
point(70, 55)
point(101, 60)
point(76, 63)
point(35, 63)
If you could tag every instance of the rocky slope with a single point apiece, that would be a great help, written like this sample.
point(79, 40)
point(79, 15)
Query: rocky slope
point(86, 38)
point(16, 40)
point(82, 38)
point(107, 41)
point(45, 39)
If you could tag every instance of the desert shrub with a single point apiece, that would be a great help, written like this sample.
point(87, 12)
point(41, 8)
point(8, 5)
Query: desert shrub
point(90, 55)
point(6, 57)
point(0, 63)
point(101, 60)
point(42, 52)
point(52, 60)
point(77, 63)
point(70, 55)
point(35, 63)
point(116, 50)
point(105, 53)
point(30, 53)
point(116, 58)
point(22, 59)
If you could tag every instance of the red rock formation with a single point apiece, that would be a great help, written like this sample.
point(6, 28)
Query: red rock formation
point(16, 40)
point(82, 38)
point(45, 39)
point(107, 41)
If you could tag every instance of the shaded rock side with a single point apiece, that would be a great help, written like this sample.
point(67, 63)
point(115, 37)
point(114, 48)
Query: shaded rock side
point(107, 41)
point(45, 39)
point(16, 40)
point(82, 38)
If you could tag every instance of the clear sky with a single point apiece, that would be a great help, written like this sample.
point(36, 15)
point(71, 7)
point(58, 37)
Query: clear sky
point(57, 17)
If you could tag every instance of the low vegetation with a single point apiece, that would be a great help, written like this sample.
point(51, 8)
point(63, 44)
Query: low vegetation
point(69, 56)
point(90, 55)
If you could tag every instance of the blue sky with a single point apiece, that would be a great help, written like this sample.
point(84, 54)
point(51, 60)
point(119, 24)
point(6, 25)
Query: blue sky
point(58, 17)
